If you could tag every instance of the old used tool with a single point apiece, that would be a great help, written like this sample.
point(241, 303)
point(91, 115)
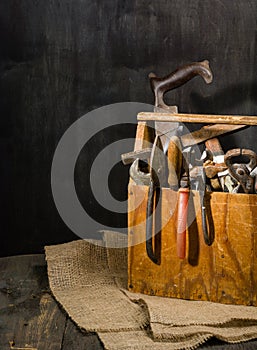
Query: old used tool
point(166, 139)
point(154, 179)
point(196, 137)
point(241, 172)
point(198, 183)
point(215, 150)
point(166, 134)
point(157, 180)
point(174, 162)
point(183, 197)
point(160, 86)
point(177, 78)
point(130, 157)
point(213, 169)
point(202, 194)
point(138, 176)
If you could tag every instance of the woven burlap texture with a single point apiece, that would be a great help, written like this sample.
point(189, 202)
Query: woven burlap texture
point(89, 281)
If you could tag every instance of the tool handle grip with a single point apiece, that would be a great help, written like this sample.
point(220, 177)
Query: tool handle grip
point(174, 162)
point(183, 196)
point(178, 78)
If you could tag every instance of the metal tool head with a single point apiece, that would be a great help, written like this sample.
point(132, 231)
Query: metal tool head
point(138, 176)
point(157, 167)
point(158, 163)
point(241, 172)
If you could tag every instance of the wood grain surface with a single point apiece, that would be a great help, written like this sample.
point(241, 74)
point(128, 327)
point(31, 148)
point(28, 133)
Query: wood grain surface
point(30, 318)
point(199, 118)
point(224, 272)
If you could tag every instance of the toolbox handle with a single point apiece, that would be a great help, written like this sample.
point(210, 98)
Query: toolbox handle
point(198, 118)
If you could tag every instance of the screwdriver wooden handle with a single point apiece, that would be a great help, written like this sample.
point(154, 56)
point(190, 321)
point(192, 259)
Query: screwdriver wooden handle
point(183, 196)
point(174, 162)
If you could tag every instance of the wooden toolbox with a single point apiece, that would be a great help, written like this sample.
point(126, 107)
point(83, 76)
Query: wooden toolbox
point(225, 271)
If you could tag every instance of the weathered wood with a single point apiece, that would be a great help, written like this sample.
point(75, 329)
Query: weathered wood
point(208, 132)
point(30, 318)
point(224, 272)
point(198, 118)
point(144, 136)
point(128, 158)
point(23, 282)
point(75, 339)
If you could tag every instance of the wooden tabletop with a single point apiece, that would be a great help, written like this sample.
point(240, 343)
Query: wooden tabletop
point(31, 319)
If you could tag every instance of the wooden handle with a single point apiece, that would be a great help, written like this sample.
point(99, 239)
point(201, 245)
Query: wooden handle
point(214, 146)
point(174, 162)
point(183, 197)
point(198, 118)
point(208, 132)
point(177, 78)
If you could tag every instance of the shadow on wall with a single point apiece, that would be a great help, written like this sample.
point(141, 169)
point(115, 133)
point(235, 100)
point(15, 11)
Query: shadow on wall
point(231, 96)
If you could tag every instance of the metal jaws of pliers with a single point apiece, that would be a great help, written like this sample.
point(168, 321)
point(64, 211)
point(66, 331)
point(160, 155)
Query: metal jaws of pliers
point(242, 172)
point(202, 193)
point(157, 181)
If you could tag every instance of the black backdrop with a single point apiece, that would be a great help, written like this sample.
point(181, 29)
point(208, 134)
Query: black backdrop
point(63, 58)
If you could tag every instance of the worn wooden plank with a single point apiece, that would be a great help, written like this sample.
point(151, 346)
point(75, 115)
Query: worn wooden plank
point(23, 288)
point(75, 339)
point(30, 318)
point(223, 272)
point(198, 118)
point(208, 132)
point(144, 136)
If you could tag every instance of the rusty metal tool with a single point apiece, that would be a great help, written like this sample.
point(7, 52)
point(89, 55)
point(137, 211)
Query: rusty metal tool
point(196, 137)
point(160, 86)
point(138, 176)
point(241, 171)
point(197, 177)
point(215, 150)
point(213, 169)
point(213, 146)
point(157, 181)
point(253, 174)
point(202, 194)
point(167, 131)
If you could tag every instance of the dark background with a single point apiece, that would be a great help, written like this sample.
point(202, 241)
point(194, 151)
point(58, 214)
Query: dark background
point(63, 58)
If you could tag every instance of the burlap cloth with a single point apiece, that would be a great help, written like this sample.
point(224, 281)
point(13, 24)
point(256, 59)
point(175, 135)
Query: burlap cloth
point(89, 281)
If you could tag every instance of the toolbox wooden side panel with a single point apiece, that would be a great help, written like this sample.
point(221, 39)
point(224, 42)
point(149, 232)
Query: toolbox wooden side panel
point(223, 272)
